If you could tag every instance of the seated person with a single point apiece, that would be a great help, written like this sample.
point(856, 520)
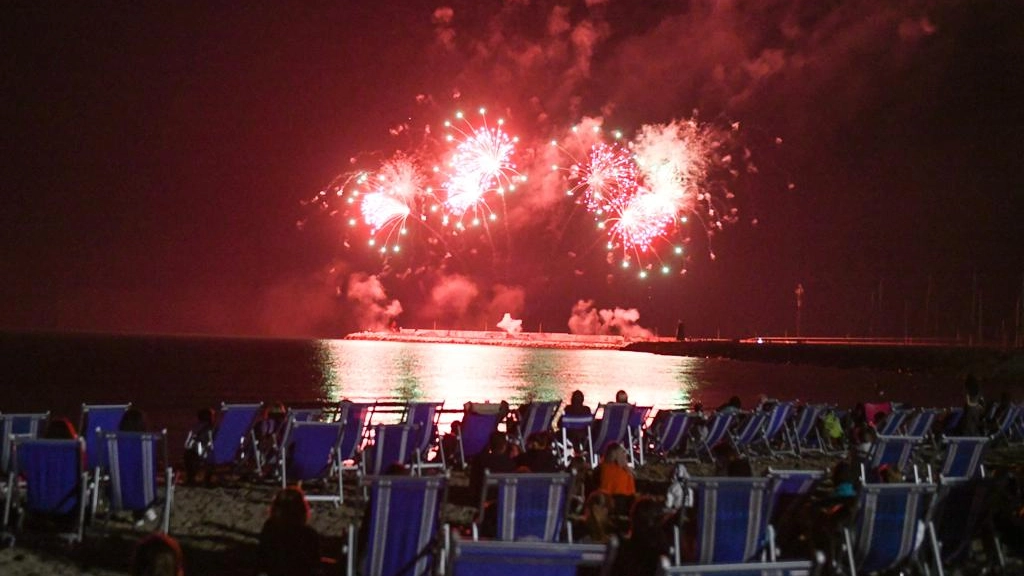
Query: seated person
point(538, 456)
point(615, 477)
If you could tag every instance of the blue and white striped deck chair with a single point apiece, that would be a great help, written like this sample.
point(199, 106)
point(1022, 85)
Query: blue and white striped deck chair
point(732, 519)
point(352, 416)
point(530, 506)
point(537, 417)
point(963, 457)
point(402, 536)
point(776, 431)
point(96, 419)
point(718, 430)
point(805, 430)
point(132, 462)
point(424, 417)
point(504, 558)
point(920, 424)
point(392, 445)
point(612, 427)
point(952, 421)
point(963, 515)
point(14, 426)
point(789, 488)
point(233, 437)
point(1006, 429)
point(894, 423)
point(56, 483)
point(568, 448)
point(478, 421)
point(890, 522)
point(749, 432)
point(638, 428)
point(892, 452)
point(674, 431)
point(311, 451)
point(779, 568)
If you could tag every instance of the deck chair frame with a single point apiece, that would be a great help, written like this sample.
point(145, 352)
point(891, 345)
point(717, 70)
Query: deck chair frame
point(23, 450)
point(125, 483)
point(321, 464)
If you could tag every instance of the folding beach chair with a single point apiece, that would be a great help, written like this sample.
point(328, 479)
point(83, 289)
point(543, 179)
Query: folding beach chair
point(775, 434)
point(718, 430)
point(962, 457)
point(638, 429)
point(424, 417)
point(1006, 429)
point(352, 416)
point(304, 414)
point(891, 521)
point(919, 425)
point(311, 451)
point(94, 421)
point(131, 462)
point(568, 448)
point(504, 558)
point(894, 423)
point(892, 452)
point(779, 568)
point(805, 431)
point(401, 537)
point(233, 438)
point(963, 515)
point(788, 489)
point(952, 421)
point(530, 506)
point(56, 483)
point(478, 421)
point(732, 519)
point(671, 436)
point(392, 445)
point(612, 427)
point(533, 418)
point(749, 432)
point(15, 426)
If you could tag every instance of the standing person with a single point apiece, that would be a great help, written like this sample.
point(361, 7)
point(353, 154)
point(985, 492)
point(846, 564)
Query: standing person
point(974, 409)
point(288, 545)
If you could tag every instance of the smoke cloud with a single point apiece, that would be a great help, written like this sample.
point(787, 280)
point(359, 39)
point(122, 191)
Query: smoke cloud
point(585, 319)
point(372, 308)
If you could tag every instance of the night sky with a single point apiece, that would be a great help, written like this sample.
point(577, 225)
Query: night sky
point(158, 162)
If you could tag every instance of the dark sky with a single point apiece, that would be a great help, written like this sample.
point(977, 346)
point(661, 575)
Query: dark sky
point(156, 158)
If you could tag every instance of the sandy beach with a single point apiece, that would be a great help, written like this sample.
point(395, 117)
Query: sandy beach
point(218, 526)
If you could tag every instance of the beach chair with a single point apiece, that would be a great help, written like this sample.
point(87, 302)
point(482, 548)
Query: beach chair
point(775, 434)
point(131, 465)
point(478, 421)
point(15, 426)
point(718, 431)
point(892, 452)
point(919, 425)
point(732, 519)
point(805, 435)
point(304, 414)
point(894, 423)
point(778, 568)
point(671, 436)
point(1006, 429)
point(55, 482)
point(568, 448)
point(352, 416)
point(890, 522)
point(401, 535)
point(505, 558)
point(533, 418)
point(788, 489)
point(963, 515)
point(94, 421)
point(638, 429)
point(749, 432)
point(234, 441)
point(424, 417)
point(962, 457)
point(392, 445)
point(530, 506)
point(952, 421)
point(312, 451)
point(613, 426)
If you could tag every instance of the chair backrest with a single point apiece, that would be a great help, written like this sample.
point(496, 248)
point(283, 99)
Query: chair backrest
point(233, 429)
point(718, 429)
point(751, 429)
point(780, 568)
point(613, 426)
point(132, 461)
point(887, 524)
point(673, 430)
point(777, 419)
point(504, 558)
point(304, 414)
point(53, 472)
point(423, 416)
point(14, 426)
point(891, 451)
point(95, 420)
point(790, 486)
point(920, 425)
point(962, 458)
point(893, 424)
point(807, 420)
point(638, 417)
point(476, 430)
point(731, 515)
point(962, 514)
point(1005, 427)
point(537, 418)
point(392, 444)
point(403, 524)
point(309, 449)
point(530, 505)
point(353, 415)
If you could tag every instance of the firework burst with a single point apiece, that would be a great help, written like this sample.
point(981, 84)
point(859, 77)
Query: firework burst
point(481, 163)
